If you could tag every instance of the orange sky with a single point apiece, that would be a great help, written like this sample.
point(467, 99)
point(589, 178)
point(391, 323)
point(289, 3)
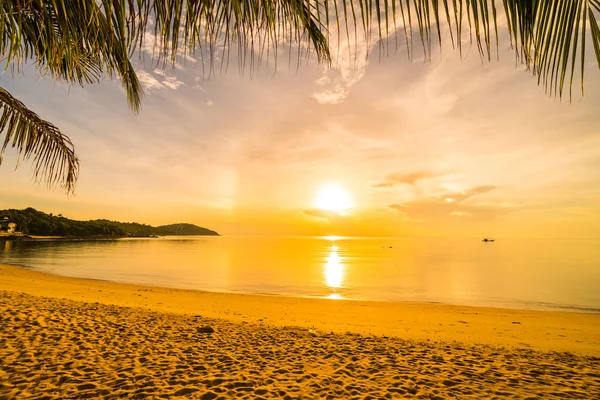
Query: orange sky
point(450, 148)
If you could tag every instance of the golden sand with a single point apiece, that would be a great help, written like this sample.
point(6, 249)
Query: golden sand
point(73, 338)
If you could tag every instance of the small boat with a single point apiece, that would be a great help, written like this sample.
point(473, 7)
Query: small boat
point(487, 240)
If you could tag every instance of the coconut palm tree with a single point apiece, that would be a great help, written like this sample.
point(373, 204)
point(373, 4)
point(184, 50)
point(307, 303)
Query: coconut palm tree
point(83, 41)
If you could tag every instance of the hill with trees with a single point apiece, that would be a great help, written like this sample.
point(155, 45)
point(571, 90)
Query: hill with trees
point(33, 222)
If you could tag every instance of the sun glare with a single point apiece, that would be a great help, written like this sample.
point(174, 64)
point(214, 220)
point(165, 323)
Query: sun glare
point(333, 198)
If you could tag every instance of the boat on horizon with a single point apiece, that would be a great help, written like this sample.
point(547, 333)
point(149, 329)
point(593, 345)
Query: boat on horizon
point(487, 240)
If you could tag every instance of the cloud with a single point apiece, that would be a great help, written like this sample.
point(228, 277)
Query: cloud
point(452, 204)
point(171, 82)
point(468, 194)
point(461, 214)
point(405, 178)
point(400, 210)
point(158, 80)
point(148, 81)
point(336, 85)
point(348, 69)
point(325, 214)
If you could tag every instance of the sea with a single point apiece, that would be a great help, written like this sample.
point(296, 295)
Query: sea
point(539, 274)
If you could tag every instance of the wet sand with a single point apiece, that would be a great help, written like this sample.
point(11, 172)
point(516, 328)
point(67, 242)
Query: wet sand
point(73, 338)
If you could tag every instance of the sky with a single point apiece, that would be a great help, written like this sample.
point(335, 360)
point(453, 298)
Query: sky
point(454, 147)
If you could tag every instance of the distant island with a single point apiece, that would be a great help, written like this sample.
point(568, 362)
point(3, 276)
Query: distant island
point(31, 222)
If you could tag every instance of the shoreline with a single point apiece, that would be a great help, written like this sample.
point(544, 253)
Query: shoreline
point(32, 238)
point(551, 308)
point(546, 307)
point(576, 332)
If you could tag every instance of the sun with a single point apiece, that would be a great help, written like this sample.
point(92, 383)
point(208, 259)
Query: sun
point(333, 198)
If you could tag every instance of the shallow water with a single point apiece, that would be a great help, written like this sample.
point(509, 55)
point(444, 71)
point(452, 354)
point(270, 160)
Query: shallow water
point(511, 273)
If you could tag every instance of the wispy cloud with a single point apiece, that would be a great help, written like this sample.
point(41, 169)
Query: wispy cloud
point(158, 80)
point(461, 213)
point(452, 204)
point(468, 194)
point(325, 214)
point(148, 81)
point(401, 211)
point(349, 68)
point(400, 178)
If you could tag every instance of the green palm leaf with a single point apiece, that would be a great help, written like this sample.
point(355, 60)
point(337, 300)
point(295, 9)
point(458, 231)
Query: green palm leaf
point(549, 36)
point(70, 40)
point(53, 155)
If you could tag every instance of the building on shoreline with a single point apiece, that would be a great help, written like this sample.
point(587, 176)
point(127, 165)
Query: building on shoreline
point(7, 227)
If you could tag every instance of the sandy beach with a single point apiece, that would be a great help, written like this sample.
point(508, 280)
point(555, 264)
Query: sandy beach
point(74, 338)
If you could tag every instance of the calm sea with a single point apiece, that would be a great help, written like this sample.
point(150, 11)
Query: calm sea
point(524, 273)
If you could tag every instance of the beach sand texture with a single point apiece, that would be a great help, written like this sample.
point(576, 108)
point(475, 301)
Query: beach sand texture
point(52, 346)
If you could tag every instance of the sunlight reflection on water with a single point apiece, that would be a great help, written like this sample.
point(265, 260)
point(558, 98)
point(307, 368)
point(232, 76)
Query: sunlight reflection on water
point(334, 271)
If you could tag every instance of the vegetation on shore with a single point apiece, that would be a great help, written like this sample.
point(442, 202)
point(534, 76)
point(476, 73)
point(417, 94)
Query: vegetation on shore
point(33, 222)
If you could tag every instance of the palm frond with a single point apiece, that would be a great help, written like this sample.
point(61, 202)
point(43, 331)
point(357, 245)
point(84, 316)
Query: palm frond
point(549, 37)
point(53, 154)
point(253, 26)
point(57, 32)
point(70, 40)
point(424, 20)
